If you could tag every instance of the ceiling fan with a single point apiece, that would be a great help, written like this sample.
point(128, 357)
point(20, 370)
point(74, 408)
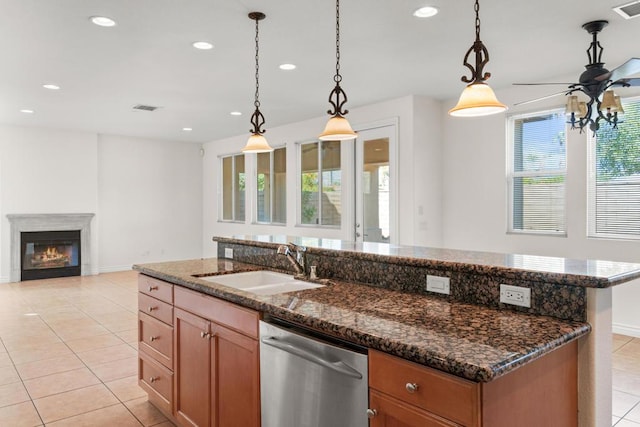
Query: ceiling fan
point(595, 81)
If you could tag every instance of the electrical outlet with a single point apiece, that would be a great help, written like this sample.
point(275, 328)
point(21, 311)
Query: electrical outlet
point(438, 284)
point(228, 253)
point(515, 295)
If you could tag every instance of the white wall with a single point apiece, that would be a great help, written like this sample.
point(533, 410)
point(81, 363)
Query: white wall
point(146, 194)
point(150, 204)
point(475, 200)
point(417, 183)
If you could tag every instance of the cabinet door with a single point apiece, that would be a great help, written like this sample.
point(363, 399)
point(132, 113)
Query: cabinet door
point(391, 412)
point(235, 395)
point(192, 369)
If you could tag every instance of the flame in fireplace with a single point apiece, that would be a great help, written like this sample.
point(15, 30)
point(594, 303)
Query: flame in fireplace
point(50, 257)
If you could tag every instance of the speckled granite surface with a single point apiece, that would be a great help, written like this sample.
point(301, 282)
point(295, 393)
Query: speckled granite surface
point(583, 273)
point(470, 341)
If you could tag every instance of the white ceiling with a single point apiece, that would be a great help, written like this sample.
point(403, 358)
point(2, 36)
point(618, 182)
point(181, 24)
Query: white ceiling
point(386, 53)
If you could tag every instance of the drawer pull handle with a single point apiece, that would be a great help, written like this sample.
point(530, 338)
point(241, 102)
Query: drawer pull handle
point(153, 288)
point(204, 334)
point(152, 338)
point(153, 379)
point(152, 308)
point(371, 413)
point(411, 387)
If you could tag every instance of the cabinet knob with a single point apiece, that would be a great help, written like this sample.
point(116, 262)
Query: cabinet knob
point(153, 288)
point(371, 413)
point(153, 379)
point(204, 334)
point(152, 308)
point(152, 338)
point(411, 387)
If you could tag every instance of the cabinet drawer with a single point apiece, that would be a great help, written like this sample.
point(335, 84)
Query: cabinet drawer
point(448, 396)
point(157, 381)
point(240, 319)
point(155, 308)
point(156, 339)
point(392, 412)
point(156, 288)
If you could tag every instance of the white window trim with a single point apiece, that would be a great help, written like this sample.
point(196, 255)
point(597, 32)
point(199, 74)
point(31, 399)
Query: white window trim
point(271, 181)
point(511, 175)
point(233, 193)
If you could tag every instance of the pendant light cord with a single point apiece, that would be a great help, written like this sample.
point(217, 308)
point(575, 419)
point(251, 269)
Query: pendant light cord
point(337, 78)
point(257, 98)
point(477, 9)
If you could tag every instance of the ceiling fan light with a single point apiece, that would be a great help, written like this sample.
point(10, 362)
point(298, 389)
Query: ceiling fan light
point(619, 108)
point(477, 99)
point(582, 108)
point(572, 105)
point(608, 101)
point(257, 144)
point(337, 129)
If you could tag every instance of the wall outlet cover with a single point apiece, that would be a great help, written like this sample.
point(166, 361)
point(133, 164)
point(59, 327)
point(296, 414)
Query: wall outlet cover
point(228, 253)
point(515, 295)
point(438, 284)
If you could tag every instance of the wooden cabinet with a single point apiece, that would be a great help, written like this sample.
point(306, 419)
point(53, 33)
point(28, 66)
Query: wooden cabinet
point(155, 341)
point(216, 362)
point(405, 394)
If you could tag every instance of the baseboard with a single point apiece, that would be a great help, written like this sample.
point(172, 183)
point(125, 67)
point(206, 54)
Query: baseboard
point(5, 279)
point(629, 330)
point(114, 268)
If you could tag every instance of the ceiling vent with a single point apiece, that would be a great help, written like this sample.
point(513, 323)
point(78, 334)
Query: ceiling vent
point(629, 10)
point(142, 107)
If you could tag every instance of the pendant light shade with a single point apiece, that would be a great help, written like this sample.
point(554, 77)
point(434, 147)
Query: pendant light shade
point(338, 127)
point(256, 142)
point(477, 99)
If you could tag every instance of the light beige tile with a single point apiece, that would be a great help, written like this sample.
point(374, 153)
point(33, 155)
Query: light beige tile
point(634, 414)
point(61, 382)
point(27, 342)
point(108, 354)
point(41, 352)
point(116, 415)
point(631, 348)
point(614, 420)
point(129, 336)
point(20, 415)
point(626, 423)
point(126, 388)
point(165, 424)
point(94, 342)
point(117, 369)
point(11, 394)
point(5, 360)
point(623, 402)
point(75, 332)
point(145, 412)
point(8, 375)
point(75, 402)
point(49, 366)
point(627, 382)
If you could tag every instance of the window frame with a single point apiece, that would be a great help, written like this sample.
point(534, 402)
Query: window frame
point(512, 175)
point(272, 186)
point(233, 189)
point(592, 232)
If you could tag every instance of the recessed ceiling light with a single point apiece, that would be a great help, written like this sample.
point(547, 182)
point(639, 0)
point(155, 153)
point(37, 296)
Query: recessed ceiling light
point(236, 113)
point(27, 111)
point(51, 87)
point(187, 129)
point(202, 45)
point(425, 12)
point(287, 67)
point(103, 21)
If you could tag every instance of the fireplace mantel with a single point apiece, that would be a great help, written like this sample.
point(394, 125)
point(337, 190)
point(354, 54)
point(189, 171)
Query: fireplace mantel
point(50, 222)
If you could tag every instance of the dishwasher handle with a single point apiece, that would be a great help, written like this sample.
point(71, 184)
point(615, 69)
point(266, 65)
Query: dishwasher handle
point(339, 366)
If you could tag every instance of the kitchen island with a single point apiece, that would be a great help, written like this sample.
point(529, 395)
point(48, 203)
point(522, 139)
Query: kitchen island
point(456, 334)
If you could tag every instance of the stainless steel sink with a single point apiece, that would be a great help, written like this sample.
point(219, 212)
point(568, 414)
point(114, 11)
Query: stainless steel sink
point(262, 282)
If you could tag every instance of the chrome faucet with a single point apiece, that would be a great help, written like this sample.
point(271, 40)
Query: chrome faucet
point(299, 261)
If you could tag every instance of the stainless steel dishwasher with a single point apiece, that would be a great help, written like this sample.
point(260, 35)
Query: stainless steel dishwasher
point(307, 380)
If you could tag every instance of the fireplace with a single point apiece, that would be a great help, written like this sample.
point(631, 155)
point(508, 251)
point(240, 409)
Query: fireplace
point(46, 254)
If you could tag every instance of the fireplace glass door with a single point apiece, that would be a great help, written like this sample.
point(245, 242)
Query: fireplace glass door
point(48, 254)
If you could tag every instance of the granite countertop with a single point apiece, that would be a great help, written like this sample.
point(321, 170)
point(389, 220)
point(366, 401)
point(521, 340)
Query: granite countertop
point(469, 341)
point(575, 272)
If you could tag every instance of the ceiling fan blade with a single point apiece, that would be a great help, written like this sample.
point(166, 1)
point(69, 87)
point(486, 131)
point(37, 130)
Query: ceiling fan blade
point(542, 84)
point(627, 82)
point(629, 68)
point(540, 99)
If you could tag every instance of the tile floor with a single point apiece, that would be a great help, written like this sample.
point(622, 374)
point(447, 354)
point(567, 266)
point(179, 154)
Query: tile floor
point(68, 353)
point(68, 356)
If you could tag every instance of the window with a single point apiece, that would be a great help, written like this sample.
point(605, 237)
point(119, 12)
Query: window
point(271, 186)
point(320, 183)
point(537, 172)
point(614, 179)
point(233, 186)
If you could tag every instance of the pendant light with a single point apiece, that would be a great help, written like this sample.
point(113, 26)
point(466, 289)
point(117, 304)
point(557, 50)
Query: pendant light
point(477, 99)
point(257, 143)
point(338, 128)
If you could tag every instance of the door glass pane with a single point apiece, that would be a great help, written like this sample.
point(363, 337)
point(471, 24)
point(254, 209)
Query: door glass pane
point(279, 202)
point(309, 184)
point(227, 188)
point(375, 189)
point(263, 185)
point(331, 184)
point(239, 186)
